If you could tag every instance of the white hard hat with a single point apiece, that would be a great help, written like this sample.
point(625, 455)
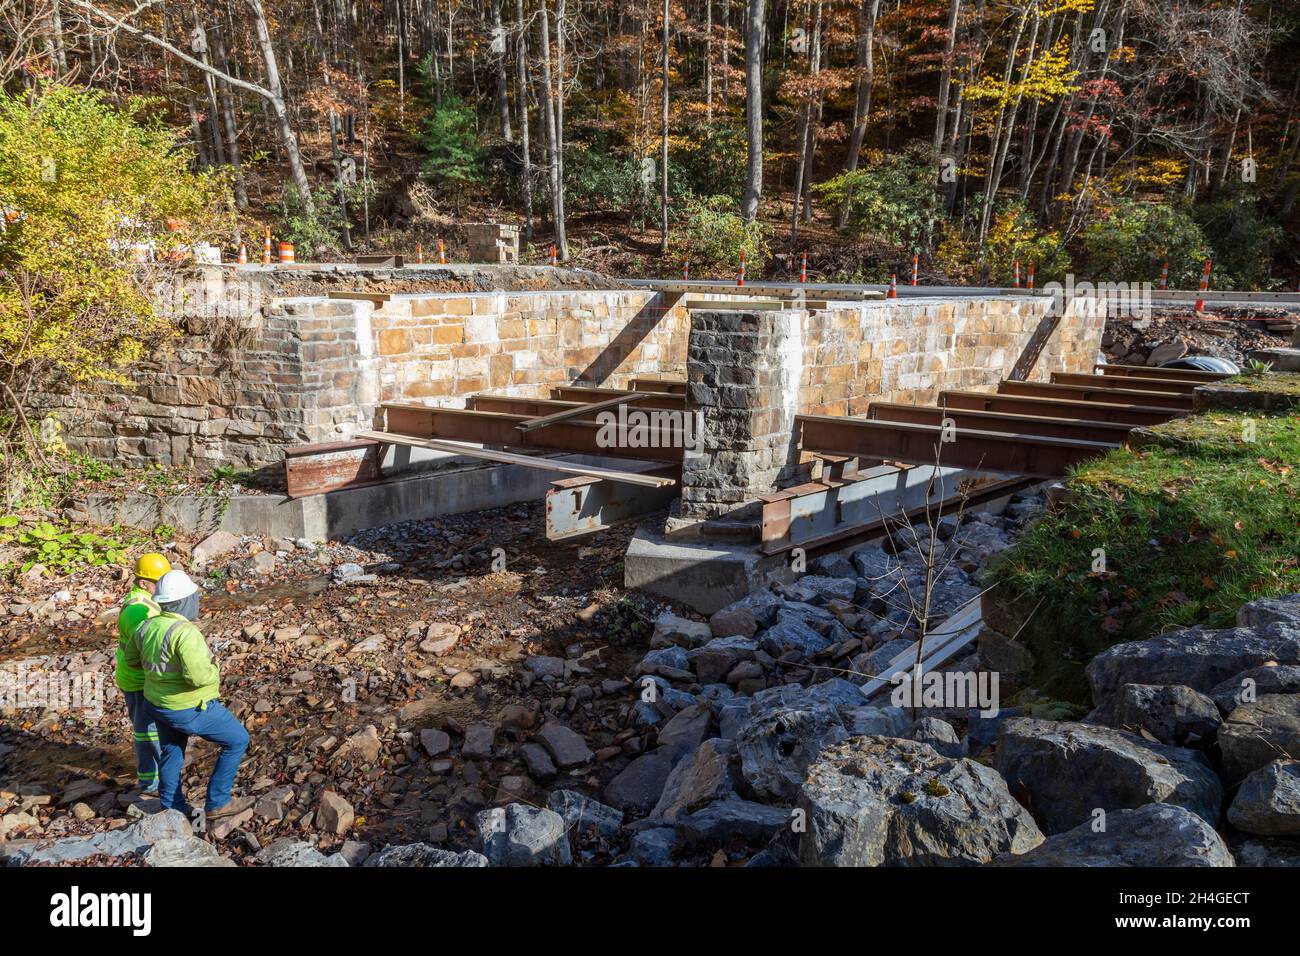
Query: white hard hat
point(174, 586)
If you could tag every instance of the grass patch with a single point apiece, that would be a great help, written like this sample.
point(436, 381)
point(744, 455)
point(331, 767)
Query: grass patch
point(1278, 383)
point(1180, 531)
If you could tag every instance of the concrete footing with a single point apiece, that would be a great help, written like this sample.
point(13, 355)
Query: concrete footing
point(705, 575)
point(454, 489)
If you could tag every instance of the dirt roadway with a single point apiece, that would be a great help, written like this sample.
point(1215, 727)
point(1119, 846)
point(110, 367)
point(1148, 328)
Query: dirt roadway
point(309, 664)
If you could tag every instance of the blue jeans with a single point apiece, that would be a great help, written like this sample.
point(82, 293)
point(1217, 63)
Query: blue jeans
point(145, 734)
point(211, 722)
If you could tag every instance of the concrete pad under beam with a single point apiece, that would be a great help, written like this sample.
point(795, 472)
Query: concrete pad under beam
point(704, 575)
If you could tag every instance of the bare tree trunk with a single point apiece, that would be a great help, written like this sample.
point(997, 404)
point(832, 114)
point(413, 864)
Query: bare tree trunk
point(945, 78)
point(228, 120)
point(501, 58)
point(296, 169)
point(865, 67)
point(995, 145)
point(663, 145)
point(338, 181)
point(549, 125)
point(56, 29)
point(561, 231)
point(754, 108)
point(522, 95)
point(708, 62)
point(196, 130)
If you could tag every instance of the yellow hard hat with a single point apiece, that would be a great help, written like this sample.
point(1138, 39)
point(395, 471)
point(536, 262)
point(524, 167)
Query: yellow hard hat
point(152, 566)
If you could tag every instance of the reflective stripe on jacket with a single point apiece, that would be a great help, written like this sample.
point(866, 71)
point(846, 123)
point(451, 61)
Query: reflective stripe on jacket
point(179, 672)
point(137, 608)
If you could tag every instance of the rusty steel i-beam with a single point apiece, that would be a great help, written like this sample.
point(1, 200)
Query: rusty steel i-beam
point(1029, 455)
point(1109, 432)
point(1057, 408)
point(1088, 393)
point(496, 428)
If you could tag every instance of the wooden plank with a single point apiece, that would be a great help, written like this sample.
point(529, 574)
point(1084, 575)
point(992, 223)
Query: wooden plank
point(1083, 393)
point(1056, 408)
point(590, 393)
point(1122, 383)
point(378, 298)
point(669, 386)
point(1147, 371)
point(526, 461)
point(577, 412)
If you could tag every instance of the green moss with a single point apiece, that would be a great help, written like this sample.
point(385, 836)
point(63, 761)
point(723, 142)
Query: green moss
point(907, 796)
point(934, 788)
point(1191, 525)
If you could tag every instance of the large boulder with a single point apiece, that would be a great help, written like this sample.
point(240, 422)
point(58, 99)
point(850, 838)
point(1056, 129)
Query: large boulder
point(688, 728)
point(137, 838)
point(714, 660)
point(883, 801)
point(1262, 851)
point(288, 852)
point(638, 786)
point(1065, 771)
point(1196, 657)
point(728, 820)
point(792, 633)
point(1268, 801)
point(520, 835)
point(1284, 609)
point(671, 629)
point(777, 746)
point(1157, 834)
point(585, 816)
point(815, 589)
point(1256, 733)
point(1171, 713)
point(709, 774)
point(1252, 684)
point(424, 854)
point(185, 851)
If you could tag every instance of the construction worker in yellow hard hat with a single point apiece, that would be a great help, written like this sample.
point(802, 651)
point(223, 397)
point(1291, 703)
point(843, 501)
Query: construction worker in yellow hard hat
point(182, 684)
point(138, 607)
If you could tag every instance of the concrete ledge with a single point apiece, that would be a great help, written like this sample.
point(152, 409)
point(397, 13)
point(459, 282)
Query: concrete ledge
point(704, 575)
point(336, 514)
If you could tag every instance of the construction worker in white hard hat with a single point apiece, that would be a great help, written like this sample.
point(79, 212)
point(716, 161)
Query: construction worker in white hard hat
point(137, 607)
point(181, 686)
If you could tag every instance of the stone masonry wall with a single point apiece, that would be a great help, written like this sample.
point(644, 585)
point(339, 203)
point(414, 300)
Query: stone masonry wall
point(907, 351)
point(742, 378)
point(443, 348)
point(751, 373)
point(313, 369)
point(305, 372)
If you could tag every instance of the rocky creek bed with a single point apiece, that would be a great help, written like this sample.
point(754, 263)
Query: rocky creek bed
point(417, 697)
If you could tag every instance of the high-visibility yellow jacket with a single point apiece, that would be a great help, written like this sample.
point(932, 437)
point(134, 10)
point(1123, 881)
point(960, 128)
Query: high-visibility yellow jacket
point(137, 607)
point(179, 671)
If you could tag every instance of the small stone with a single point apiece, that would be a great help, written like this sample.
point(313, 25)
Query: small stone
point(520, 835)
point(439, 639)
point(539, 763)
point(214, 546)
point(435, 742)
point(479, 738)
point(334, 815)
point(364, 746)
point(567, 748)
